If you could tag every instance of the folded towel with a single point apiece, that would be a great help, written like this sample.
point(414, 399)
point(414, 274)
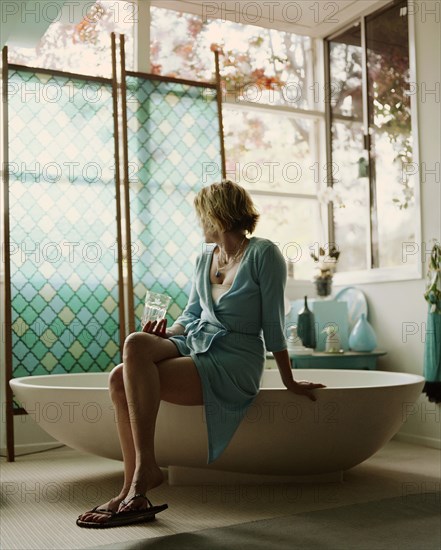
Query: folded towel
point(432, 349)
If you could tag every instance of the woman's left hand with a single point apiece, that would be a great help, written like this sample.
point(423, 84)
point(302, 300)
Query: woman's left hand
point(303, 387)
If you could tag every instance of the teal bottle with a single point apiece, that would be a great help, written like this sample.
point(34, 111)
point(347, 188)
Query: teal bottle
point(306, 326)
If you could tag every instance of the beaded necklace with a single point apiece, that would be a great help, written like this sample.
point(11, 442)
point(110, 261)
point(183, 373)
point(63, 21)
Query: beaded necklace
point(227, 264)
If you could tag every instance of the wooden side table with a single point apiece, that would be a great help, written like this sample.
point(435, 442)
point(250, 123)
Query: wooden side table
point(347, 360)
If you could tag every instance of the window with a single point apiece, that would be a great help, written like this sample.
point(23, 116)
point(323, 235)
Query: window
point(371, 141)
point(78, 41)
point(274, 119)
point(270, 127)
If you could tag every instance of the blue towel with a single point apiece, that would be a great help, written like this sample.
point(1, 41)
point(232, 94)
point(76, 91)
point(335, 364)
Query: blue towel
point(432, 356)
point(432, 349)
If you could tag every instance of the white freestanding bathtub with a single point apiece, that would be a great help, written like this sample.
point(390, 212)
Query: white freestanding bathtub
point(282, 434)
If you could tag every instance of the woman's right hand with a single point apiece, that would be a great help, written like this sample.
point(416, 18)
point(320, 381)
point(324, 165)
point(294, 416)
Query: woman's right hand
point(159, 329)
point(303, 387)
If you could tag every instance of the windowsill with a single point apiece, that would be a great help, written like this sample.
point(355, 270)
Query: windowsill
point(381, 275)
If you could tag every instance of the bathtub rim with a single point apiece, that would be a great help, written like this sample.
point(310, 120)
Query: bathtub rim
point(412, 379)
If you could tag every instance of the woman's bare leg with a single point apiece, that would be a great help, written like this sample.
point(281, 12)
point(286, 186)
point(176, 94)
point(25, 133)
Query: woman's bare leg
point(174, 379)
point(117, 394)
point(144, 387)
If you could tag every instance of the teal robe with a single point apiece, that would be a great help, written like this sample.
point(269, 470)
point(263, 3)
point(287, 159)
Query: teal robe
point(227, 339)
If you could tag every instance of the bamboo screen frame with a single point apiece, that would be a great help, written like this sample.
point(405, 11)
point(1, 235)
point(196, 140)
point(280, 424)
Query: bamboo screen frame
point(125, 303)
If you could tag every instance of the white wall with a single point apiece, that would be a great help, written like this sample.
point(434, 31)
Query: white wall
point(397, 310)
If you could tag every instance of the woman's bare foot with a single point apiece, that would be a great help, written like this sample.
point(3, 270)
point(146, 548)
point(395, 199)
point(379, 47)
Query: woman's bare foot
point(110, 506)
point(154, 476)
point(140, 485)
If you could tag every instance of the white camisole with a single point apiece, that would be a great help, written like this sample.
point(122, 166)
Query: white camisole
point(217, 291)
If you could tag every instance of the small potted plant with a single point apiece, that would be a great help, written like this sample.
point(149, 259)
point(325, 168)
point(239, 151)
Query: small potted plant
point(325, 268)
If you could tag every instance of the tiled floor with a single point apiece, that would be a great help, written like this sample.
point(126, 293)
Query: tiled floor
point(42, 494)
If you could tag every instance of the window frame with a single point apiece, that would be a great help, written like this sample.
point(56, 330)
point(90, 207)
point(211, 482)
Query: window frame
point(378, 274)
point(323, 118)
point(317, 116)
point(141, 44)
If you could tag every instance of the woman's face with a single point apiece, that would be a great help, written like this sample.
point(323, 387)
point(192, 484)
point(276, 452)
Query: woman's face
point(211, 235)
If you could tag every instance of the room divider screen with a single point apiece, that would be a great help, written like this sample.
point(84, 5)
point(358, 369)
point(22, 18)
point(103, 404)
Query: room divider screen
point(173, 144)
point(64, 270)
point(65, 227)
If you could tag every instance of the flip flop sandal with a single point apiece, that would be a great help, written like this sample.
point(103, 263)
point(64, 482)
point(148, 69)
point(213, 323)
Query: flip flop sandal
point(129, 517)
point(82, 523)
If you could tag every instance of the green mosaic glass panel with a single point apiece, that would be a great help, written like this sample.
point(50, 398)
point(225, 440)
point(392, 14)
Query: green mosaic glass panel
point(64, 271)
point(174, 150)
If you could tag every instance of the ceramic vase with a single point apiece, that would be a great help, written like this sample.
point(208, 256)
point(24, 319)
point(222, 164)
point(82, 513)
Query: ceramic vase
point(362, 337)
point(306, 326)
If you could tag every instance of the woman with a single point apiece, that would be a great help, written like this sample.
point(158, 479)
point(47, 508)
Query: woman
point(213, 355)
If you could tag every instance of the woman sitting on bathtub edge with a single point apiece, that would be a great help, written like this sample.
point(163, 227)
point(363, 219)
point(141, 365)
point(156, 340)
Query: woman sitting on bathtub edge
point(213, 354)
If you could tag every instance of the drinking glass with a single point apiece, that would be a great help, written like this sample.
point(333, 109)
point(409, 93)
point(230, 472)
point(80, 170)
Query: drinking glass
point(155, 307)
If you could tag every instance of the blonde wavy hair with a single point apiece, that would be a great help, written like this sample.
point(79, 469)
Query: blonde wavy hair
point(226, 206)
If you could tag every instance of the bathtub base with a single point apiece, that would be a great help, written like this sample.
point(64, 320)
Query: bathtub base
point(183, 475)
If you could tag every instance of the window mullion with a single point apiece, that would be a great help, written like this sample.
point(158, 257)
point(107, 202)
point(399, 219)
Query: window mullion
point(141, 37)
point(328, 121)
point(372, 250)
point(282, 194)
